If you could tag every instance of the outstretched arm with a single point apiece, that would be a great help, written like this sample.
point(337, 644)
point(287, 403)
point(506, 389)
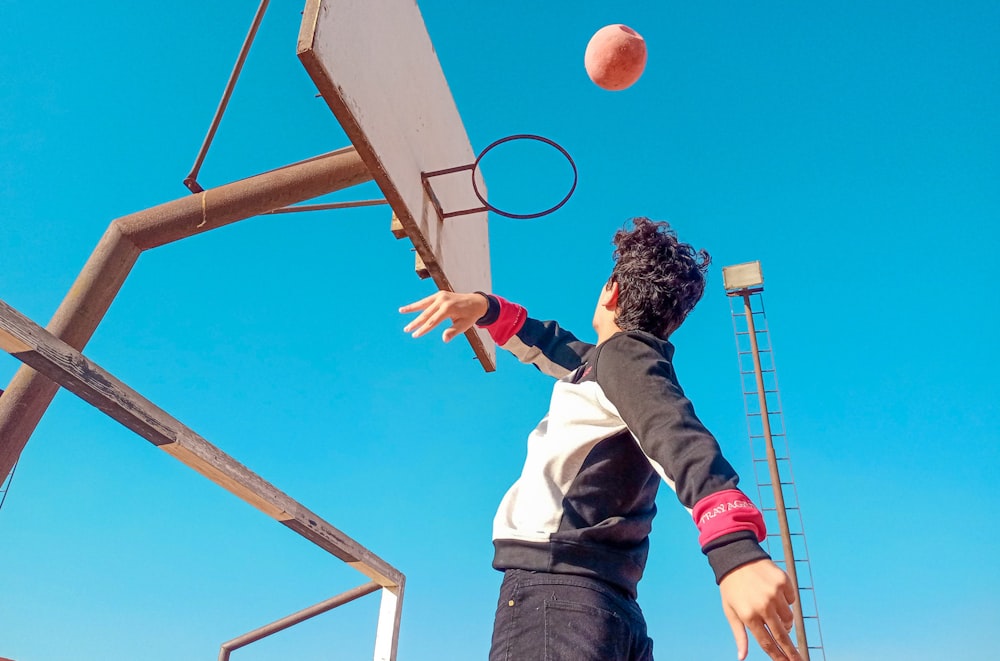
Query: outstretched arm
point(637, 376)
point(544, 344)
point(758, 596)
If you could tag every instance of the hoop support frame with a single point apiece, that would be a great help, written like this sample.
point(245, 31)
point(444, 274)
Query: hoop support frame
point(425, 178)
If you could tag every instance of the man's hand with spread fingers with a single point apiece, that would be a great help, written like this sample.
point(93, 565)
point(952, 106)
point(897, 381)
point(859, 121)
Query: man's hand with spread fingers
point(462, 309)
point(758, 596)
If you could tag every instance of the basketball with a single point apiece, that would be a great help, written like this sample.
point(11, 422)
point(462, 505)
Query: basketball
point(615, 57)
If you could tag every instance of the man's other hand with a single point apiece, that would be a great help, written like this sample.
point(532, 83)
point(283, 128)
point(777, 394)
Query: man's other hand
point(758, 596)
point(462, 309)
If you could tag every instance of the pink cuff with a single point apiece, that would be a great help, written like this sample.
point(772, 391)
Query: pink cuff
point(509, 321)
point(726, 512)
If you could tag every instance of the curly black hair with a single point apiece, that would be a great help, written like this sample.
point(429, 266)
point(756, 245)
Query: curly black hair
point(659, 278)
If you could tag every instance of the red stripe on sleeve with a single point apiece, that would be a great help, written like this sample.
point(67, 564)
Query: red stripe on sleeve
point(727, 512)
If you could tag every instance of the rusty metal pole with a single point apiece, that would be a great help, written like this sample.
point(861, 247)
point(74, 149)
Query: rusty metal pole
point(29, 394)
point(779, 496)
point(295, 618)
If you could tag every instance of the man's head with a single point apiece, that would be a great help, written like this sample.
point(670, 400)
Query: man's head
point(656, 280)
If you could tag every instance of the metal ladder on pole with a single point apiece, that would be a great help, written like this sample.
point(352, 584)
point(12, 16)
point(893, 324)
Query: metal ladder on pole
point(755, 432)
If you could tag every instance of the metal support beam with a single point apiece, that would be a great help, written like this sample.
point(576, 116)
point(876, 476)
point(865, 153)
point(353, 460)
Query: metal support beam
point(191, 181)
point(295, 618)
point(29, 393)
point(779, 496)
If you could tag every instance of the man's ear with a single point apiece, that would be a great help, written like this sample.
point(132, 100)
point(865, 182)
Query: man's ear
point(609, 297)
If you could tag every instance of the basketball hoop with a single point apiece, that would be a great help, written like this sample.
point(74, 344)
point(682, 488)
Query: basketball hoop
point(473, 167)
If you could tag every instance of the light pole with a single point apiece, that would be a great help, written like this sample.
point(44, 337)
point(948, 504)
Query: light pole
point(743, 280)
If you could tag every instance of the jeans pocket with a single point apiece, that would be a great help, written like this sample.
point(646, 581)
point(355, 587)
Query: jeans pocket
point(582, 632)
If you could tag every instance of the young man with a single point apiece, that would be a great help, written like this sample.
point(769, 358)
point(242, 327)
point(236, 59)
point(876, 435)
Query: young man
point(571, 534)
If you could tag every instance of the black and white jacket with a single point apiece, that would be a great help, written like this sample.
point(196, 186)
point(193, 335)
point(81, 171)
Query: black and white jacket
point(618, 423)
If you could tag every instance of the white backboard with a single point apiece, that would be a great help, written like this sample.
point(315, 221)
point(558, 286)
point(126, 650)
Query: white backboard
point(374, 64)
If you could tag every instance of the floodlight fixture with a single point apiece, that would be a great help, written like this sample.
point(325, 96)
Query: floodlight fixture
point(743, 276)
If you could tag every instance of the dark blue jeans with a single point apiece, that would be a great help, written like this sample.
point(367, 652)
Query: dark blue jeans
point(556, 617)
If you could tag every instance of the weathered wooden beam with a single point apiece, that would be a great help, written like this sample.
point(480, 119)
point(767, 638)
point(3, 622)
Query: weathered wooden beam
point(64, 365)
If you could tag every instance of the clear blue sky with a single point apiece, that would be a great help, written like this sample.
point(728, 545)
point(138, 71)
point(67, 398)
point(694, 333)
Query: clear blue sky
point(853, 148)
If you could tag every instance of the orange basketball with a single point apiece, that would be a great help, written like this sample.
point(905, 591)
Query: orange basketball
point(615, 57)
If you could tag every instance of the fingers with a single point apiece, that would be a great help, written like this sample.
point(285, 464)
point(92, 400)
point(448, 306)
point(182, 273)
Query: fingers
point(788, 589)
point(459, 324)
point(786, 617)
point(739, 634)
point(417, 321)
point(765, 641)
point(430, 316)
point(772, 636)
point(779, 623)
point(419, 305)
point(759, 596)
point(427, 321)
point(785, 644)
point(461, 309)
